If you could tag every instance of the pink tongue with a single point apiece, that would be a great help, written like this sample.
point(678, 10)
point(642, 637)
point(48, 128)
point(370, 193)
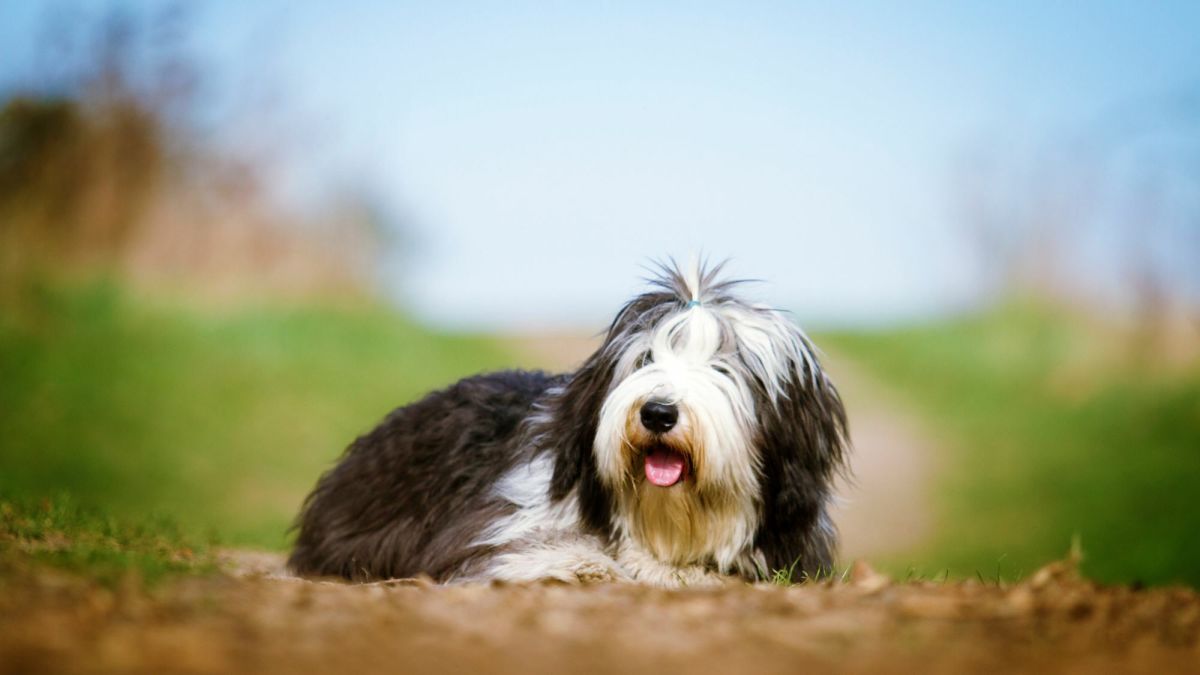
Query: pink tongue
point(664, 467)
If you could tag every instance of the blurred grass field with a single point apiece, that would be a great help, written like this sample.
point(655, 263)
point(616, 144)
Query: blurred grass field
point(219, 421)
point(174, 428)
point(1053, 428)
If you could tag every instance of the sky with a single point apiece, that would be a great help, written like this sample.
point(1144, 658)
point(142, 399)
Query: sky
point(538, 155)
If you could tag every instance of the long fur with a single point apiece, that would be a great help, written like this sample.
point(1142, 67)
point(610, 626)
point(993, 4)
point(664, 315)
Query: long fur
point(524, 476)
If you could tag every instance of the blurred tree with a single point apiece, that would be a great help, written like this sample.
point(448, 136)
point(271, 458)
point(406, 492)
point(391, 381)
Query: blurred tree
point(73, 183)
point(79, 160)
point(1107, 217)
point(102, 167)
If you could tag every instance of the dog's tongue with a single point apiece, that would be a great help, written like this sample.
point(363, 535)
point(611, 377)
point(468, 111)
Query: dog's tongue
point(664, 467)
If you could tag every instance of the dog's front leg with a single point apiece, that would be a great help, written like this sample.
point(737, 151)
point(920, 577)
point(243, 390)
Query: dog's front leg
point(646, 569)
point(572, 559)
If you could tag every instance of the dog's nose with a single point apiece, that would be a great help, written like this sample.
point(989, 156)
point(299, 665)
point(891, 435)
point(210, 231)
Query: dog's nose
point(659, 417)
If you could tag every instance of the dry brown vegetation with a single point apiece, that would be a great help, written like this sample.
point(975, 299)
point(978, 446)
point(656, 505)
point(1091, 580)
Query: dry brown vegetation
point(105, 170)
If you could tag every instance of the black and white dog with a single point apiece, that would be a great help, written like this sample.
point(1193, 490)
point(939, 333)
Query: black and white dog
point(699, 441)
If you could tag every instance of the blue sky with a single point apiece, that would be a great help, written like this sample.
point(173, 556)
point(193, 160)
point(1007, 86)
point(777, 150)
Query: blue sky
point(542, 153)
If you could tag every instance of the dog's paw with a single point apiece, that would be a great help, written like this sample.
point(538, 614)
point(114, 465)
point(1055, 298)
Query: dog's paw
point(646, 569)
point(598, 573)
point(699, 577)
point(570, 560)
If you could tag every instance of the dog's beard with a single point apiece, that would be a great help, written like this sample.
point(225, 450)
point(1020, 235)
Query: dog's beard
point(693, 517)
point(682, 524)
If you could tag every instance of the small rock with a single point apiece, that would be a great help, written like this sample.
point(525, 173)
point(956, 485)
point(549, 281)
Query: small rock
point(863, 576)
point(1020, 600)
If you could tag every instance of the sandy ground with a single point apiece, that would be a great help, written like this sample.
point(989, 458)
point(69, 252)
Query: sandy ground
point(247, 622)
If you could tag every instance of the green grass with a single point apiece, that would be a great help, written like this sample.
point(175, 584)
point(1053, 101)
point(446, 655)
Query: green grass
point(156, 430)
point(59, 533)
point(1053, 430)
point(792, 575)
point(218, 420)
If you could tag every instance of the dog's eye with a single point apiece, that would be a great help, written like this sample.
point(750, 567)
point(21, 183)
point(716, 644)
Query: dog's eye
point(723, 370)
point(645, 360)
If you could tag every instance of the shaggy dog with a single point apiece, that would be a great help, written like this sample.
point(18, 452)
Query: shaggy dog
point(699, 441)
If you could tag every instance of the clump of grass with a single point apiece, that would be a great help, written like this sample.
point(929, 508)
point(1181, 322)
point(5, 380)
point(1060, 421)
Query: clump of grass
point(59, 533)
point(920, 576)
point(785, 576)
point(793, 575)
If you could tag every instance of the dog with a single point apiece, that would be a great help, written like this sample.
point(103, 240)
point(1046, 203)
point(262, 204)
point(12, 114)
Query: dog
point(697, 445)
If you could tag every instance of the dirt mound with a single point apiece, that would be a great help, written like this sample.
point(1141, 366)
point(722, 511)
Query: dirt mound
point(260, 623)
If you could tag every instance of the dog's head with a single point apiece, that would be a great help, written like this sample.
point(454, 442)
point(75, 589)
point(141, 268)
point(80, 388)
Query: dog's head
point(700, 421)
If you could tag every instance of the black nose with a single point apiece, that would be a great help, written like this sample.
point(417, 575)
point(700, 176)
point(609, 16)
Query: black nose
point(659, 417)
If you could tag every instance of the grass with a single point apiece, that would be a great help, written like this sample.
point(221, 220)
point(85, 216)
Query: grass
point(1055, 428)
point(59, 533)
point(220, 421)
point(157, 429)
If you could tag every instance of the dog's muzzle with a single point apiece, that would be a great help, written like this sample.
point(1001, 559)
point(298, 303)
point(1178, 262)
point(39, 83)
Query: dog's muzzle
point(664, 465)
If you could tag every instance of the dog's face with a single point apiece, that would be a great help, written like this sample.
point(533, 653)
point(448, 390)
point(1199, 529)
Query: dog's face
point(695, 387)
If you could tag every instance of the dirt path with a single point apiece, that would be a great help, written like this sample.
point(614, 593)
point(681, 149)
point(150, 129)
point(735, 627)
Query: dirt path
point(257, 624)
point(884, 509)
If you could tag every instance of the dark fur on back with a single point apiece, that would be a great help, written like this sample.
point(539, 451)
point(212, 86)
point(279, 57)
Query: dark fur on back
point(406, 497)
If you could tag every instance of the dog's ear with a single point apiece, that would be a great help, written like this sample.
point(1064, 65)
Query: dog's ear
point(803, 447)
point(576, 413)
point(576, 417)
